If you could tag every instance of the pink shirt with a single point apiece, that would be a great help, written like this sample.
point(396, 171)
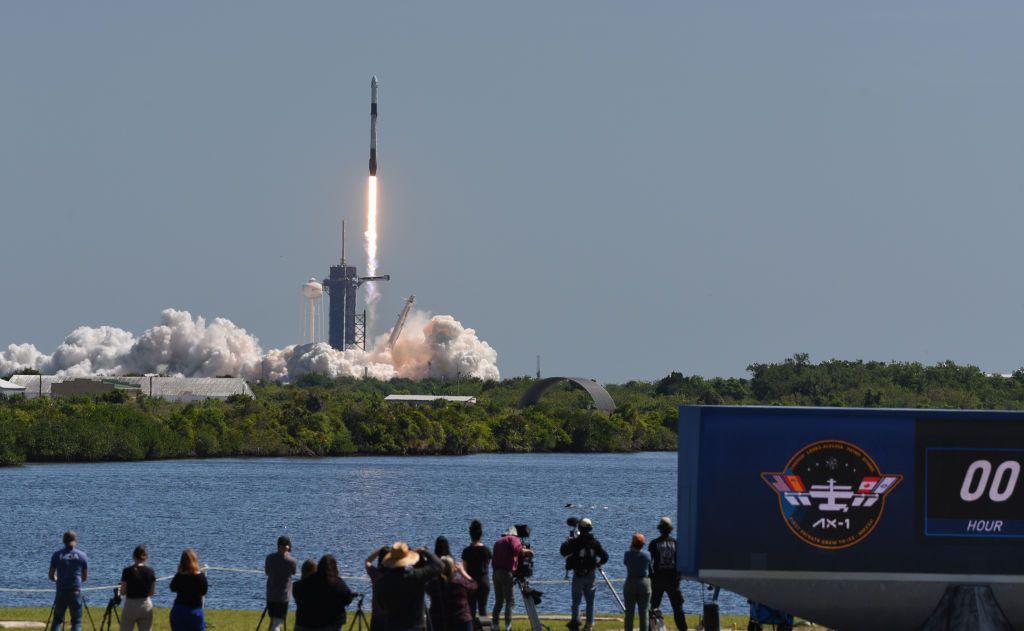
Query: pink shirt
point(506, 553)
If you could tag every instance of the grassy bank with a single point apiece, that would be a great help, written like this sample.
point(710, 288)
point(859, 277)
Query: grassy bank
point(318, 416)
point(244, 620)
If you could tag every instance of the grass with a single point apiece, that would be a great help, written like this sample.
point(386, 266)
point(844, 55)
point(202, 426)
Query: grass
point(245, 620)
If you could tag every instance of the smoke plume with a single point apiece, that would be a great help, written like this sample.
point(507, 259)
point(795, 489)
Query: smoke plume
point(183, 345)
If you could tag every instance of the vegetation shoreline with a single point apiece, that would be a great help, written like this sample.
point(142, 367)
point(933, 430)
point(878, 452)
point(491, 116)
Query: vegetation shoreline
point(316, 416)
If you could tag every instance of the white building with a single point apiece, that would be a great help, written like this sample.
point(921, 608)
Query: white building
point(423, 399)
point(9, 389)
point(168, 388)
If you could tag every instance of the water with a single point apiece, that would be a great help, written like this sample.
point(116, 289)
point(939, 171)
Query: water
point(232, 510)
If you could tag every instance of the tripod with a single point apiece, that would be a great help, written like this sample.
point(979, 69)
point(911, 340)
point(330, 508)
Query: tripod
point(266, 609)
point(359, 622)
point(107, 619)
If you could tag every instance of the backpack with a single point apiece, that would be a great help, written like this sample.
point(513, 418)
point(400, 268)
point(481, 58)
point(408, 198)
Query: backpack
point(585, 558)
point(664, 560)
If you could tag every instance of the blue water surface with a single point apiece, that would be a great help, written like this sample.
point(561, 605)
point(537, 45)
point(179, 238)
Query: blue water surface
point(232, 510)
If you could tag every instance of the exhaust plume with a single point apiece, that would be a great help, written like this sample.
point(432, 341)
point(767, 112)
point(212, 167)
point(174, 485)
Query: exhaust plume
point(370, 244)
point(183, 345)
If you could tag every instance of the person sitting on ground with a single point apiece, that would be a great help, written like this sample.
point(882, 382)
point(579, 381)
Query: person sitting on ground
point(584, 556)
point(280, 568)
point(508, 550)
point(321, 599)
point(665, 578)
point(450, 608)
point(190, 586)
point(138, 584)
point(636, 591)
point(399, 587)
point(476, 558)
point(69, 568)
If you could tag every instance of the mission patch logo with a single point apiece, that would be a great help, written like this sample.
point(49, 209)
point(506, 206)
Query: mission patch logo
point(831, 493)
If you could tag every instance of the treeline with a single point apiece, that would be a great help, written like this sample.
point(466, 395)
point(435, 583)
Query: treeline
point(318, 416)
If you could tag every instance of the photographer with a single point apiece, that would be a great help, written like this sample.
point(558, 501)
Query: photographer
point(666, 577)
point(69, 567)
point(584, 556)
point(138, 584)
point(508, 550)
point(321, 598)
point(280, 568)
point(398, 586)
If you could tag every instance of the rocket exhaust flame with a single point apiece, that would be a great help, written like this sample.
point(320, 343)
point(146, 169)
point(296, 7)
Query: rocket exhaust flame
point(370, 244)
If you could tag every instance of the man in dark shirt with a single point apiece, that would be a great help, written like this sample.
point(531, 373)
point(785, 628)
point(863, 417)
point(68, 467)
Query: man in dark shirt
point(666, 578)
point(280, 568)
point(69, 568)
point(399, 587)
point(584, 556)
point(476, 557)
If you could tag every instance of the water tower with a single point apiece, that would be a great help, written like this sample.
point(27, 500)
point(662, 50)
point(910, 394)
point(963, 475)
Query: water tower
point(313, 311)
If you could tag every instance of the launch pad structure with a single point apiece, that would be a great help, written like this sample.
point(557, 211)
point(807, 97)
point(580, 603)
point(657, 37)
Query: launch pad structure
point(346, 327)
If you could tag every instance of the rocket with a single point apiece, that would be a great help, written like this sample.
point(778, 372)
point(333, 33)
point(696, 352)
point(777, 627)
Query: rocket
point(373, 125)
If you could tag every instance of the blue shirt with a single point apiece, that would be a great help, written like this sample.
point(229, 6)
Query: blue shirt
point(638, 563)
point(69, 562)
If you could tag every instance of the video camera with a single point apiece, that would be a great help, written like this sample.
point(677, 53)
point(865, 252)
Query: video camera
point(574, 527)
point(525, 567)
point(115, 600)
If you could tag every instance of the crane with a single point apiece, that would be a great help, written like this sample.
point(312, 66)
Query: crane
point(395, 332)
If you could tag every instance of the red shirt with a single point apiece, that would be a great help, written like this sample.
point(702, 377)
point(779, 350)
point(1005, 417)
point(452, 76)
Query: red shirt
point(506, 553)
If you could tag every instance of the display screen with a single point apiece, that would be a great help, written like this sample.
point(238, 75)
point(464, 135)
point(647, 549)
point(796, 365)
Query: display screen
point(971, 477)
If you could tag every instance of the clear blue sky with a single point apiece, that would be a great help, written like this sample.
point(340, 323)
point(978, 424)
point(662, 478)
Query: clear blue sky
point(625, 188)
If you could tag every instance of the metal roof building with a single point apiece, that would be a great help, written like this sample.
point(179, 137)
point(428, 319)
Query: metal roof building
point(168, 388)
point(8, 389)
point(420, 399)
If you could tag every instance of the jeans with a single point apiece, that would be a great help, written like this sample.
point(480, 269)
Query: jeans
point(187, 618)
point(63, 601)
point(504, 594)
point(669, 585)
point(637, 594)
point(137, 611)
point(583, 586)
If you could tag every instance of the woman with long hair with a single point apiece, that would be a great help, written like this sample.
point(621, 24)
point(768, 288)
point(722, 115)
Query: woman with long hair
point(321, 598)
point(190, 586)
point(138, 584)
point(450, 608)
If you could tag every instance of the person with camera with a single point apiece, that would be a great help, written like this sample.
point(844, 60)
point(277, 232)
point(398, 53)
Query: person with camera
point(69, 568)
point(584, 556)
point(666, 578)
point(321, 598)
point(476, 557)
point(636, 591)
point(190, 586)
point(450, 608)
point(398, 586)
point(505, 559)
point(138, 584)
point(279, 567)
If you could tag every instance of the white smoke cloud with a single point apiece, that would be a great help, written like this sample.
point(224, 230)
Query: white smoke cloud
point(430, 346)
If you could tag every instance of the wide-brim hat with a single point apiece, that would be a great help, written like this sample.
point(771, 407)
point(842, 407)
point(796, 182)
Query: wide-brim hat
point(399, 555)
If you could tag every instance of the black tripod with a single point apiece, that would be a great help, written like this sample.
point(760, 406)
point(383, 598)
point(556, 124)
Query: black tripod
point(110, 613)
point(359, 622)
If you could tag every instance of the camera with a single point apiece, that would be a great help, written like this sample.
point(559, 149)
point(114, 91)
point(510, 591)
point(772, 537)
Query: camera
point(116, 598)
point(574, 526)
point(525, 568)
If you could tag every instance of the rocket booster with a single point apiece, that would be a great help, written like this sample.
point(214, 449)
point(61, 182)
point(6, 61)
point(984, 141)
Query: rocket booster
point(373, 125)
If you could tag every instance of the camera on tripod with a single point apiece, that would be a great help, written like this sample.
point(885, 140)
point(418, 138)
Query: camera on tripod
point(115, 600)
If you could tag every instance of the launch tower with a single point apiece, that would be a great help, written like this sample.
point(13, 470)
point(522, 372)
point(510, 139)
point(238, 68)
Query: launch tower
point(346, 328)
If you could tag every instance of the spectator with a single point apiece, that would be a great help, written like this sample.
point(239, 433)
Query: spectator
point(637, 589)
point(399, 586)
point(280, 568)
point(584, 556)
point(476, 558)
point(190, 586)
point(69, 568)
point(138, 584)
point(450, 597)
point(504, 563)
point(321, 598)
point(666, 578)
point(441, 547)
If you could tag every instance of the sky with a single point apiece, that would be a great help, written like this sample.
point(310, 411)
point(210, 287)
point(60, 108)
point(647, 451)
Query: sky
point(626, 189)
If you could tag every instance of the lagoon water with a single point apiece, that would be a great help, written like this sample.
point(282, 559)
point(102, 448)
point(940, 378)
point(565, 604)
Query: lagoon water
point(232, 510)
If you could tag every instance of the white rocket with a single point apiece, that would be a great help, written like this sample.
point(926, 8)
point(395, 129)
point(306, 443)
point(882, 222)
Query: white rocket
point(373, 125)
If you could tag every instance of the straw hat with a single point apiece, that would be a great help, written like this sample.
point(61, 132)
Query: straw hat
point(400, 556)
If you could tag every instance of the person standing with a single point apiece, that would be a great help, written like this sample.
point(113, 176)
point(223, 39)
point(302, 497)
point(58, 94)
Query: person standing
point(279, 567)
point(190, 585)
point(636, 591)
point(138, 584)
point(666, 577)
point(476, 558)
point(584, 556)
point(398, 588)
point(450, 608)
point(69, 568)
point(321, 598)
point(504, 562)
